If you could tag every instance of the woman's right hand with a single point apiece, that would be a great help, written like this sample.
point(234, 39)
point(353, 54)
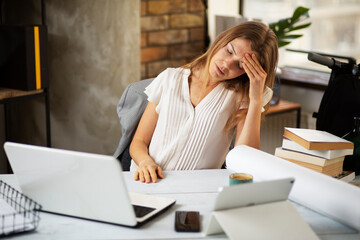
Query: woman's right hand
point(148, 171)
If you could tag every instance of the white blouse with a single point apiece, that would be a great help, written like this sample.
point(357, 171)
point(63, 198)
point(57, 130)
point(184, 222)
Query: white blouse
point(188, 137)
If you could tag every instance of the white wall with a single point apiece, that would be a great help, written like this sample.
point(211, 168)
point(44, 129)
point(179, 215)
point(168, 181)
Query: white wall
point(223, 8)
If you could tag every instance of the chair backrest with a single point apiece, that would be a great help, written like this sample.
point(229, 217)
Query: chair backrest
point(130, 109)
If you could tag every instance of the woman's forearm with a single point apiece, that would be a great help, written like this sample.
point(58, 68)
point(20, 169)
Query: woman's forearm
point(139, 147)
point(249, 133)
point(139, 151)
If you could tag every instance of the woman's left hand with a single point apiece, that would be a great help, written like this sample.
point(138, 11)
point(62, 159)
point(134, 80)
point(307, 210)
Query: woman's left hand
point(248, 129)
point(257, 76)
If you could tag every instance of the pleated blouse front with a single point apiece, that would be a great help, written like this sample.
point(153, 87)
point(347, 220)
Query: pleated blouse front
point(188, 137)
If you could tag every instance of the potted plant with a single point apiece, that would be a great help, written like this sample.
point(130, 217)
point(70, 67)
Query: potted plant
point(284, 27)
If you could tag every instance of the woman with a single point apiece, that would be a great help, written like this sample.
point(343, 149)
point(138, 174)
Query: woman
point(194, 111)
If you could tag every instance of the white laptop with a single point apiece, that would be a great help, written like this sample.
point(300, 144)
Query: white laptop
point(83, 185)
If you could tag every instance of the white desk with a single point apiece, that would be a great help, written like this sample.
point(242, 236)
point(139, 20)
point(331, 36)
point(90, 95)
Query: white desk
point(193, 190)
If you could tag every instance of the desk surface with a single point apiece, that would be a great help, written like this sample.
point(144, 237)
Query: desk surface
point(304, 78)
point(283, 106)
point(193, 191)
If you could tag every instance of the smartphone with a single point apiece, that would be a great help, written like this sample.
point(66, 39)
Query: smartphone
point(187, 221)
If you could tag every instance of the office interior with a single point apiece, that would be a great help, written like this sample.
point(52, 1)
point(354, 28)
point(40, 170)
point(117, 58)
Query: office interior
point(97, 48)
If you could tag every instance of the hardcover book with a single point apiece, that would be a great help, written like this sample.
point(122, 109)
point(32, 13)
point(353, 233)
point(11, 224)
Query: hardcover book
point(333, 169)
point(346, 176)
point(288, 144)
point(317, 140)
point(306, 158)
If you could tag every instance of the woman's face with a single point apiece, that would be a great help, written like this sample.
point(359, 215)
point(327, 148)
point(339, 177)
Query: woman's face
point(227, 62)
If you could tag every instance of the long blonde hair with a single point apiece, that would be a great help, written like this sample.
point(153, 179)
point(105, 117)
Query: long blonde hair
point(263, 42)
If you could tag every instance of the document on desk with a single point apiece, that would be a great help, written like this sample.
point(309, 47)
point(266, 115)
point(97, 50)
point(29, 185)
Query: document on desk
point(324, 194)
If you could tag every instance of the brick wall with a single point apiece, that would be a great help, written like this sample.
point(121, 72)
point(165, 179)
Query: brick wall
point(172, 34)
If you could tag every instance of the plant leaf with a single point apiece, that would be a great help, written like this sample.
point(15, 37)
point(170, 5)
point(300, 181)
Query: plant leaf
point(301, 15)
point(284, 23)
point(293, 36)
point(284, 26)
point(299, 27)
point(299, 12)
point(283, 43)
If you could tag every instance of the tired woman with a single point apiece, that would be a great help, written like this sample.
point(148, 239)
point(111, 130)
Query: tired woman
point(194, 111)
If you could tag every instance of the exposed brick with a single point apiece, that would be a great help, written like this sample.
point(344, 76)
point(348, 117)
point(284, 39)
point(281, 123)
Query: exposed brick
point(154, 23)
point(158, 7)
point(143, 71)
point(172, 34)
point(177, 6)
point(168, 37)
point(178, 62)
point(197, 34)
point(166, 6)
point(188, 50)
point(154, 68)
point(153, 54)
point(187, 20)
point(143, 8)
point(143, 39)
point(190, 59)
point(195, 5)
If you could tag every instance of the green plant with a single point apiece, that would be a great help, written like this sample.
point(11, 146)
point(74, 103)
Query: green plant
point(284, 26)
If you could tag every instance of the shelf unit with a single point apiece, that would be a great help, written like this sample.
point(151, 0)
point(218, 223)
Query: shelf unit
point(8, 96)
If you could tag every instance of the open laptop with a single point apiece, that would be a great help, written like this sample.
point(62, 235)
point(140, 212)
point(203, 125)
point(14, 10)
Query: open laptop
point(83, 185)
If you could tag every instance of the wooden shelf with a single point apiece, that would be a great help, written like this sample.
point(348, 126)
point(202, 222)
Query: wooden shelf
point(7, 93)
point(8, 96)
point(305, 78)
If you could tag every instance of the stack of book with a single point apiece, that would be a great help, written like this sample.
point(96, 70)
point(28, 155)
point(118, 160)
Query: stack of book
point(314, 149)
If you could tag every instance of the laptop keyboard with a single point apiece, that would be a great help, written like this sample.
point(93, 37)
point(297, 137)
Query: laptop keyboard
point(141, 211)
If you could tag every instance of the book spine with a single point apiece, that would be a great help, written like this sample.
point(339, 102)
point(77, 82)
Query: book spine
point(30, 59)
point(298, 156)
point(317, 145)
point(44, 56)
point(331, 170)
point(296, 138)
point(328, 154)
point(37, 58)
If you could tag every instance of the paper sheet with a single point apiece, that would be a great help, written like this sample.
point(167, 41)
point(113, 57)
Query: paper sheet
point(324, 194)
